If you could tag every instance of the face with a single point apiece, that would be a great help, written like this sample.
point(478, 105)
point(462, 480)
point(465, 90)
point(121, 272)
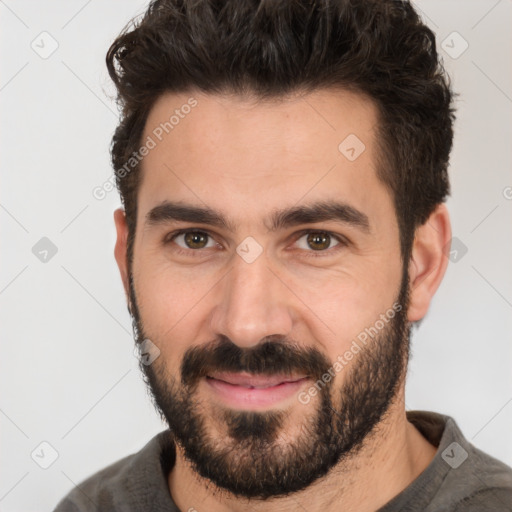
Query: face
point(267, 273)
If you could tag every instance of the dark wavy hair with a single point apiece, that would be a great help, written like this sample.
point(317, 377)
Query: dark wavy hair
point(272, 48)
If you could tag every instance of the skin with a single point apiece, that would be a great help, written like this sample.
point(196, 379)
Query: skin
point(245, 159)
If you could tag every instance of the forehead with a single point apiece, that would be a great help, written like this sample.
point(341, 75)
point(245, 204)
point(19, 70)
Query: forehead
point(245, 157)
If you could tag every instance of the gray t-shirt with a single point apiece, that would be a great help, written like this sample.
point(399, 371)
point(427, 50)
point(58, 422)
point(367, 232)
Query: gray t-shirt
point(460, 478)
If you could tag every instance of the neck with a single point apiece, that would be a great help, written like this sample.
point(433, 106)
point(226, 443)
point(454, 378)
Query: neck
point(392, 457)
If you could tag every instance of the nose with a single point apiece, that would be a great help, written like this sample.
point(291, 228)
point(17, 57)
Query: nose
point(252, 303)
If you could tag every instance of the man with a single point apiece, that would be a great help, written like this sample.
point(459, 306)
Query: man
point(283, 169)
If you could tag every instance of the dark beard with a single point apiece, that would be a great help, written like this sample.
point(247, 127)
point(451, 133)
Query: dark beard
point(249, 462)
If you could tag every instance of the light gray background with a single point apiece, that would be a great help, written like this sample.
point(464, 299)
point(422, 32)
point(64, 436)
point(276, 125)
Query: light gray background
point(68, 375)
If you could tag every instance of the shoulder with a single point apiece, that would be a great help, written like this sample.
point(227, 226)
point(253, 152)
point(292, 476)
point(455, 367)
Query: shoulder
point(474, 480)
point(119, 484)
point(97, 492)
point(488, 482)
point(488, 499)
point(461, 477)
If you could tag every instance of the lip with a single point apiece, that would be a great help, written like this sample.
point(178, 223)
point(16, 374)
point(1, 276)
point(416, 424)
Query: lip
point(243, 390)
point(255, 381)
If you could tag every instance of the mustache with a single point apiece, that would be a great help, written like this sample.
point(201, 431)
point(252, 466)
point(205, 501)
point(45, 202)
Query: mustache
point(276, 355)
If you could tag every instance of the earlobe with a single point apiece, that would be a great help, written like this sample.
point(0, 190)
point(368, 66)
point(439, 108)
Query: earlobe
point(428, 261)
point(120, 250)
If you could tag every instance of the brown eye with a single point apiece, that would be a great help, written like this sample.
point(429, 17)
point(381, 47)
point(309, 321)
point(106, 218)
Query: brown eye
point(192, 240)
point(318, 244)
point(318, 241)
point(195, 239)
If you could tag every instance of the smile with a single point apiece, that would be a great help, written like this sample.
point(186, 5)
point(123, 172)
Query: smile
point(253, 391)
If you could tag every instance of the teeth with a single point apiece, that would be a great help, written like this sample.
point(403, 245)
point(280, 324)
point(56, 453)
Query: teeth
point(247, 386)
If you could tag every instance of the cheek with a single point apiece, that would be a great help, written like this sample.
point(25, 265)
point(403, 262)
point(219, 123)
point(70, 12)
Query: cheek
point(170, 307)
point(166, 290)
point(342, 304)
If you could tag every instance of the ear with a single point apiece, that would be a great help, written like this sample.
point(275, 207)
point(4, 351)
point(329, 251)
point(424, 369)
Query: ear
point(120, 251)
point(428, 261)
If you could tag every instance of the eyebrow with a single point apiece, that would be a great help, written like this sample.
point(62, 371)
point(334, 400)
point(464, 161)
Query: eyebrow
point(169, 211)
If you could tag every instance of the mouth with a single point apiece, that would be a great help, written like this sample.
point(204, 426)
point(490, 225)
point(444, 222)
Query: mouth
point(243, 390)
point(247, 380)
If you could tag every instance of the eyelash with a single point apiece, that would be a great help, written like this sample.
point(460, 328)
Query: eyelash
point(342, 241)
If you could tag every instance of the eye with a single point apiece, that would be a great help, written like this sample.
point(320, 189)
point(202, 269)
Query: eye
point(320, 242)
point(191, 240)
